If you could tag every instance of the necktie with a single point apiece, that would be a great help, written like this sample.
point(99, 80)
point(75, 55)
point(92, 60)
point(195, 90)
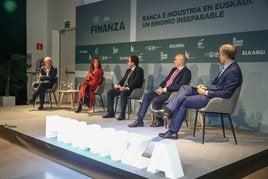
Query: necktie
point(126, 81)
point(172, 77)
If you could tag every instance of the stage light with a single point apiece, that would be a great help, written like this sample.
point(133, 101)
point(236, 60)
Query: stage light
point(10, 6)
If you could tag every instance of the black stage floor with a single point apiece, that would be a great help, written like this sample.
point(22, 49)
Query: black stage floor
point(218, 157)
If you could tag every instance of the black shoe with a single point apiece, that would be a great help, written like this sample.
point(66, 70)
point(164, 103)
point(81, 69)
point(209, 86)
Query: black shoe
point(137, 123)
point(157, 124)
point(169, 135)
point(108, 116)
point(31, 101)
point(120, 118)
point(79, 108)
point(40, 107)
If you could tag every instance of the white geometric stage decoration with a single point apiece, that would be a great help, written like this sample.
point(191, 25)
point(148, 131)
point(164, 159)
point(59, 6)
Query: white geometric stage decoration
point(119, 145)
point(166, 152)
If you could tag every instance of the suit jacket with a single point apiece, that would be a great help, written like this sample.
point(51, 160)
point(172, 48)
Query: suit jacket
point(225, 85)
point(52, 75)
point(182, 78)
point(135, 80)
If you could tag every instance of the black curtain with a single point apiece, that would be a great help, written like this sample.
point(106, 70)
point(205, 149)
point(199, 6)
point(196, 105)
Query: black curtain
point(13, 40)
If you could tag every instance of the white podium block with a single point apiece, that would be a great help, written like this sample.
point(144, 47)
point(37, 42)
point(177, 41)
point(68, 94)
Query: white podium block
point(95, 141)
point(78, 135)
point(67, 130)
point(165, 158)
point(64, 130)
point(52, 123)
point(106, 141)
point(119, 146)
point(91, 131)
point(137, 145)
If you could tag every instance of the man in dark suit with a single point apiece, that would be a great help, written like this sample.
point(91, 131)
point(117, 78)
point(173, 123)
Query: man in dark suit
point(47, 78)
point(132, 79)
point(223, 86)
point(178, 76)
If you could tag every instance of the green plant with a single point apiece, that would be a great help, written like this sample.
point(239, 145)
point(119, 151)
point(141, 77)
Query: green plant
point(13, 74)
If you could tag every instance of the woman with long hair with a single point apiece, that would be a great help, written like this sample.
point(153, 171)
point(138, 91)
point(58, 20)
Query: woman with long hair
point(94, 77)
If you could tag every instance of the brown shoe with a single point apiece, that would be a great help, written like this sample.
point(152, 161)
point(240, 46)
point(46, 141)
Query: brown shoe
point(136, 123)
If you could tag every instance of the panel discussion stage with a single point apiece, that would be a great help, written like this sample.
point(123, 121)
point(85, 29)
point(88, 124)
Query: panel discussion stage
point(217, 157)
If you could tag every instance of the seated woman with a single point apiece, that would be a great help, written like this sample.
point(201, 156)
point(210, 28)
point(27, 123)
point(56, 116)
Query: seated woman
point(94, 77)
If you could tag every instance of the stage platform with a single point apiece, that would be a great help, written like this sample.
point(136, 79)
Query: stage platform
point(218, 158)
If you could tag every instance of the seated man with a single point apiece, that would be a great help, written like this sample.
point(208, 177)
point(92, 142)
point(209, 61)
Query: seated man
point(132, 79)
point(47, 78)
point(223, 86)
point(178, 76)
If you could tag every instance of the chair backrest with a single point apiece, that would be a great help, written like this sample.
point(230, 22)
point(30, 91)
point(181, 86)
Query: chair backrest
point(54, 87)
point(99, 90)
point(138, 92)
point(222, 105)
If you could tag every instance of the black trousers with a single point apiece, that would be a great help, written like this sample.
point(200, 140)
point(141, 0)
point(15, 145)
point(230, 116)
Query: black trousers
point(41, 90)
point(111, 94)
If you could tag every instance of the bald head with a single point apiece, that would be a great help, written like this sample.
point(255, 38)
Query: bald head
point(180, 60)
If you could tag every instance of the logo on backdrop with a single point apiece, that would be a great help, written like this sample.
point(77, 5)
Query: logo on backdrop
point(163, 56)
point(188, 55)
point(253, 52)
point(200, 44)
point(179, 45)
point(97, 50)
point(124, 58)
point(212, 54)
point(132, 48)
point(237, 43)
point(105, 58)
point(115, 50)
point(105, 25)
point(140, 57)
point(152, 47)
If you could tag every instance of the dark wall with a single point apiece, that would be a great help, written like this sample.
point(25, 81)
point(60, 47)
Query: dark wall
point(13, 40)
